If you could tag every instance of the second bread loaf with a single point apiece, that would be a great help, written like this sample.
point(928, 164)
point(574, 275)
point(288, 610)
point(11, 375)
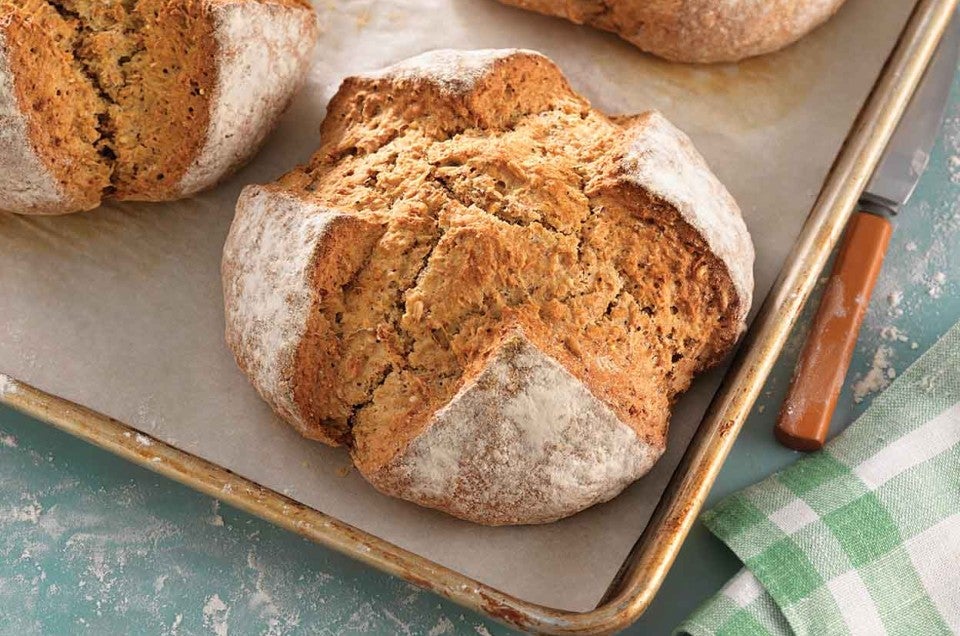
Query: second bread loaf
point(150, 100)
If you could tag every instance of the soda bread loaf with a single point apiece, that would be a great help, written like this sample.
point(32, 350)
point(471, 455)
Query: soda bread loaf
point(488, 291)
point(696, 30)
point(145, 100)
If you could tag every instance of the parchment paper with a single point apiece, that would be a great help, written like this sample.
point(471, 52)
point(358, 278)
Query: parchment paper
point(120, 309)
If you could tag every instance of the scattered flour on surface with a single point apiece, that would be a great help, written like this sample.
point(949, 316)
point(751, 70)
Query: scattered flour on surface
point(403, 628)
point(215, 519)
point(481, 630)
point(954, 165)
point(917, 282)
point(28, 512)
point(132, 565)
point(894, 300)
point(413, 595)
point(935, 285)
point(893, 334)
point(878, 377)
point(7, 386)
point(362, 620)
point(143, 440)
point(443, 626)
point(8, 440)
point(215, 615)
point(279, 620)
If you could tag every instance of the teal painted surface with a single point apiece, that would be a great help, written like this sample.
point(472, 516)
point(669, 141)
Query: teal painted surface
point(90, 544)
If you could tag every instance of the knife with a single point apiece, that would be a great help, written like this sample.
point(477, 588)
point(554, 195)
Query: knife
point(806, 413)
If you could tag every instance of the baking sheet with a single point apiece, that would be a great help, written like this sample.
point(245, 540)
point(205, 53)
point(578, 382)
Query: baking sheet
point(120, 309)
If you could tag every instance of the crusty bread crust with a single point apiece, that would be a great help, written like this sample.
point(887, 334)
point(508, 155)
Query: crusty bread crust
point(521, 442)
point(27, 185)
point(51, 161)
point(692, 189)
point(522, 289)
point(276, 255)
point(260, 45)
point(702, 31)
point(153, 100)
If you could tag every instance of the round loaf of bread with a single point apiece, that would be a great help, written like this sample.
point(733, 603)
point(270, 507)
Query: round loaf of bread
point(488, 291)
point(145, 100)
point(696, 30)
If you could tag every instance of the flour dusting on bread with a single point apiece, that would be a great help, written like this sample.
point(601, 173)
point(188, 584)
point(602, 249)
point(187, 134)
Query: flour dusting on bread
point(260, 45)
point(24, 180)
point(523, 442)
point(269, 253)
point(451, 69)
point(526, 286)
point(662, 159)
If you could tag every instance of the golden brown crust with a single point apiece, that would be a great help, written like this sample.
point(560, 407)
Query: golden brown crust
point(696, 30)
point(155, 152)
point(65, 140)
point(272, 247)
point(343, 253)
point(506, 205)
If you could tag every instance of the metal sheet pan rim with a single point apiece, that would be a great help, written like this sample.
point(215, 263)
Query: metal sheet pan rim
point(645, 568)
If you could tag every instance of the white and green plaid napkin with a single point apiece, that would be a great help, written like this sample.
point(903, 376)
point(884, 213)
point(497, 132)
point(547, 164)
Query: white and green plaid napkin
point(862, 537)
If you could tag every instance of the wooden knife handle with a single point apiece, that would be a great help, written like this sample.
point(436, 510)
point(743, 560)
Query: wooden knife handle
point(818, 379)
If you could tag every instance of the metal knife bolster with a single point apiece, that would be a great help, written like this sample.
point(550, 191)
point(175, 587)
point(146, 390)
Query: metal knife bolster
point(879, 205)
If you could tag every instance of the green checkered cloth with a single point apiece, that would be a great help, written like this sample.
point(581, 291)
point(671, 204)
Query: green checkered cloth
point(864, 536)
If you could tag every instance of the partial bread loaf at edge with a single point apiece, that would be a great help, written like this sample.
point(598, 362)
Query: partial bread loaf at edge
point(488, 291)
point(702, 31)
point(150, 101)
